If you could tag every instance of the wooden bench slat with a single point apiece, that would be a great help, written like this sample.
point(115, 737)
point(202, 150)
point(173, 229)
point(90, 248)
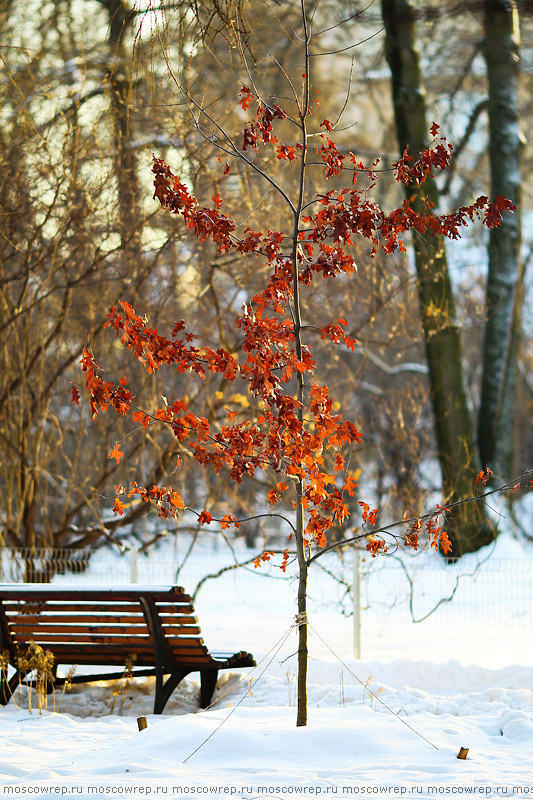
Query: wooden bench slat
point(65, 618)
point(47, 592)
point(49, 639)
point(61, 649)
point(92, 654)
point(125, 643)
point(165, 608)
point(112, 648)
point(97, 619)
point(44, 638)
point(23, 630)
point(24, 607)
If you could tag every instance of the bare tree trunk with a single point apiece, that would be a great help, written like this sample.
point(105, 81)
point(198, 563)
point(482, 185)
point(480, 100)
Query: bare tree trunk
point(469, 529)
point(120, 20)
point(505, 274)
point(301, 715)
point(303, 567)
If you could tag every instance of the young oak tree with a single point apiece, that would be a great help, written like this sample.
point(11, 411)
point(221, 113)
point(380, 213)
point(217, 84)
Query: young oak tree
point(297, 439)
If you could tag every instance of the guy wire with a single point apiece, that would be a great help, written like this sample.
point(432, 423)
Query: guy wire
point(279, 644)
point(375, 696)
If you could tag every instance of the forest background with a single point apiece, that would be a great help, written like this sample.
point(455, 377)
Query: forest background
point(439, 381)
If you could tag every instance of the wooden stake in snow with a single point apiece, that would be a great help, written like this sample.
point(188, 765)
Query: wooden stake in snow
point(142, 724)
point(463, 752)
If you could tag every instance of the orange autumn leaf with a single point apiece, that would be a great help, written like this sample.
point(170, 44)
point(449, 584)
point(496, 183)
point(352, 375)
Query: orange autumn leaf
point(118, 506)
point(349, 485)
point(140, 416)
point(376, 546)
point(369, 515)
point(176, 500)
point(372, 516)
point(266, 556)
point(483, 477)
point(227, 521)
point(273, 497)
point(445, 544)
point(411, 539)
point(339, 463)
point(116, 453)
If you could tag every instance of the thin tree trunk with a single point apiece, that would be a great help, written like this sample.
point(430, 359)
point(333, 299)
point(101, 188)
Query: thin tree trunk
point(120, 20)
point(505, 274)
point(301, 716)
point(469, 529)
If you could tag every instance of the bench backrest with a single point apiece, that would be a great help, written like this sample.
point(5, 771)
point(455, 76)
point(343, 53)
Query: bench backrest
point(96, 625)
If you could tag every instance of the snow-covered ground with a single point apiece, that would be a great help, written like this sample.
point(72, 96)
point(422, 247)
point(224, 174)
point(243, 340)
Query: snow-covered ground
point(389, 727)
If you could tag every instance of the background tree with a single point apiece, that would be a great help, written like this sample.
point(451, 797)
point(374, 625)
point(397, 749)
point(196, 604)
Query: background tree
point(453, 427)
point(72, 235)
point(504, 292)
point(497, 429)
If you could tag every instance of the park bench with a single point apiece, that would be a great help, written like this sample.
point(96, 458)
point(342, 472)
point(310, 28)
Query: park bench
point(152, 626)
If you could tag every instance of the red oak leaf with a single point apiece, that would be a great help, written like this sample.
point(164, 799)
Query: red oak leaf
point(118, 506)
point(116, 453)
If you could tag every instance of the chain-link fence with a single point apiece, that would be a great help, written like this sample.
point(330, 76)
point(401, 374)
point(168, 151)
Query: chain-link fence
point(416, 608)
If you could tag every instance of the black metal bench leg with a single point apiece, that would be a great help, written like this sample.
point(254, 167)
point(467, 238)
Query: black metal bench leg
point(208, 682)
point(164, 658)
point(163, 690)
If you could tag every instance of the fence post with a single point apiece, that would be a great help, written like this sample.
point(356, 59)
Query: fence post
point(134, 567)
point(356, 599)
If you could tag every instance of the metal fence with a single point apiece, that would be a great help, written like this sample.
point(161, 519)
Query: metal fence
point(385, 608)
